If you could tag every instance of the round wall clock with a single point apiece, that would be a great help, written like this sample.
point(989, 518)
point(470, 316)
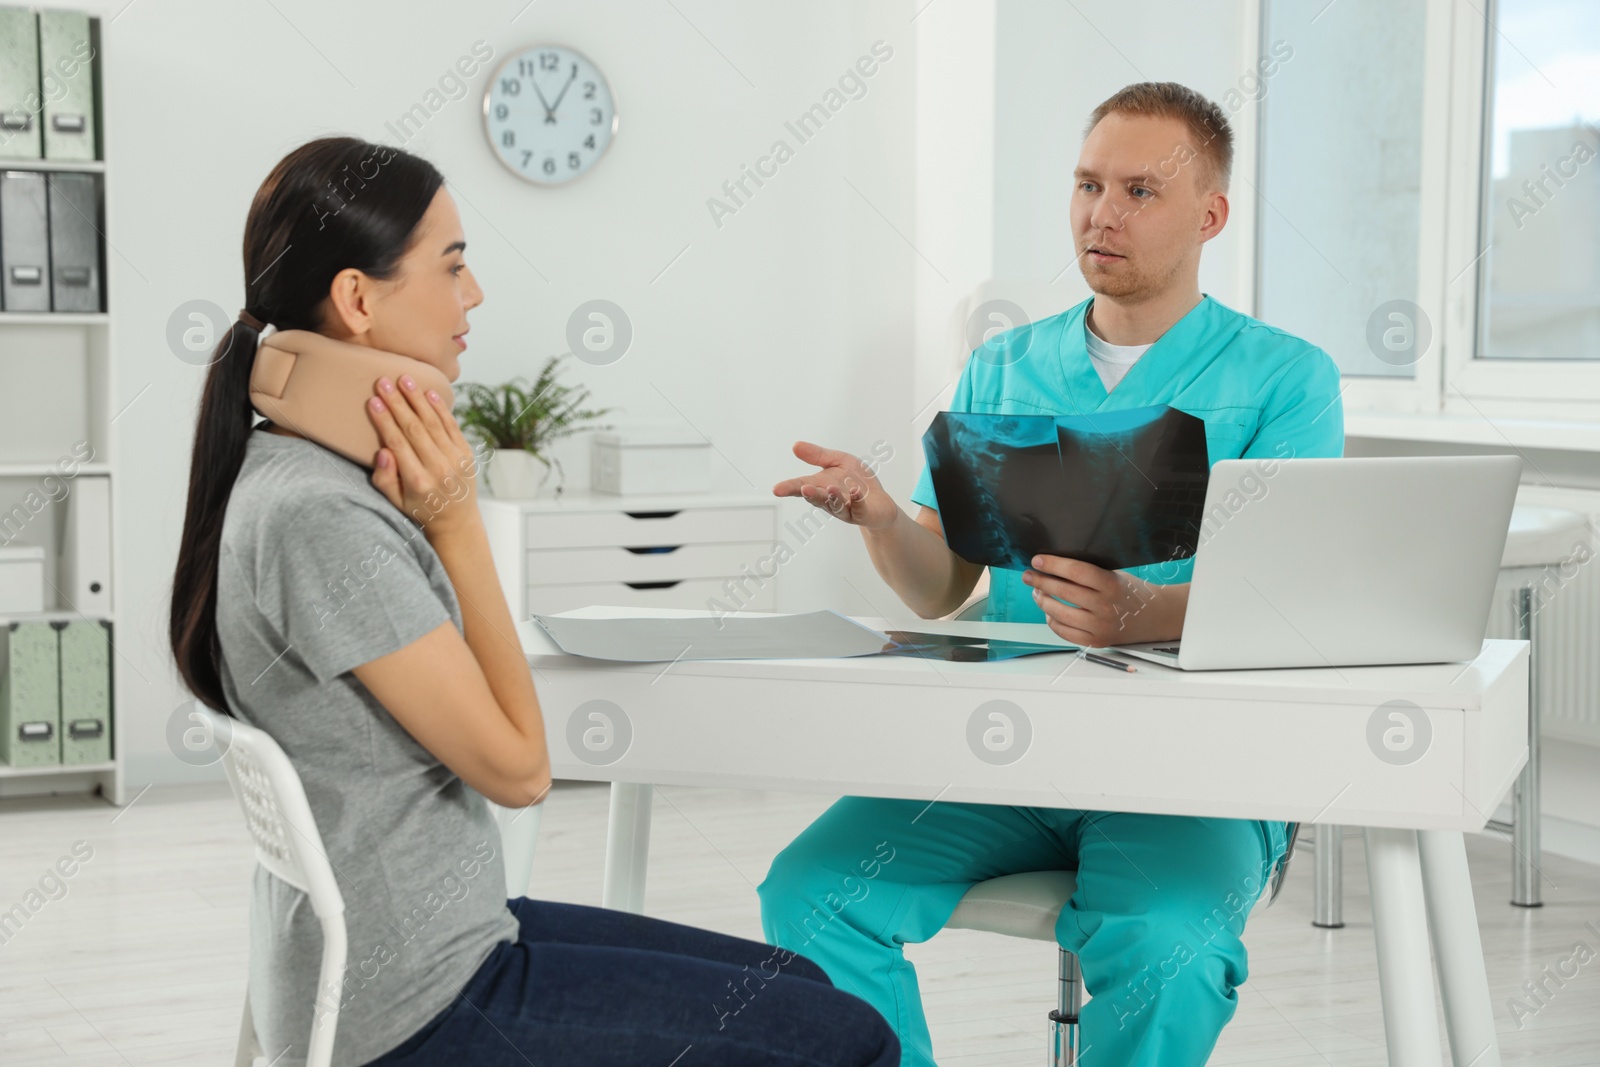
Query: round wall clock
point(548, 114)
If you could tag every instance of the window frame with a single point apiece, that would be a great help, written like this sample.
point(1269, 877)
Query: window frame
point(1450, 378)
point(1525, 387)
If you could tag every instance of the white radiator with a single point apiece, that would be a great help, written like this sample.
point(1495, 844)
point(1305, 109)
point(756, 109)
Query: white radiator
point(1567, 607)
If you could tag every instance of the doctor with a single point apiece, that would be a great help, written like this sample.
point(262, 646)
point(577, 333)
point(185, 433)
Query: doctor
point(1161, 900)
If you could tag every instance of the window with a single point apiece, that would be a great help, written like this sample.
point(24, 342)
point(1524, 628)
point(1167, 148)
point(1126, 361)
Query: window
point(1429, 202)
point(1341, 180)
point(1539, 279)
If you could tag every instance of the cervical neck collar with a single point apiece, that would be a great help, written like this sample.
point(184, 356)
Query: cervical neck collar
point(319, 387)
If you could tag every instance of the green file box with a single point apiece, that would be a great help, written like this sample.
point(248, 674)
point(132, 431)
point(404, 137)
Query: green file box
point(21, 105)
point(86, 691)
point(67, 70)
point(30, 695)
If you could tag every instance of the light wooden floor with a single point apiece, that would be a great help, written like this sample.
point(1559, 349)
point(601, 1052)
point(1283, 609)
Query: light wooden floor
point(142, 959)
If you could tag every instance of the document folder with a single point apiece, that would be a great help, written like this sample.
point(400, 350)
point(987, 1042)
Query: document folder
point(86, 691)
point(67, 73)
point(20, 102)
point(24, 242)
point(74, 243)
point(30, 695)
point(86, 546)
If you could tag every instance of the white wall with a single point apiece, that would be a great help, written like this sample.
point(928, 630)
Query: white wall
point(793, 320)
point(821, 310)
point(1056, 63)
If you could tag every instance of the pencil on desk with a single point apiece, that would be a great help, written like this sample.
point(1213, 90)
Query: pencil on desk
point(1106, 661)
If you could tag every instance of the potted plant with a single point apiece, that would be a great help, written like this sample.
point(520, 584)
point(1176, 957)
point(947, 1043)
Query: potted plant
point(518, 424)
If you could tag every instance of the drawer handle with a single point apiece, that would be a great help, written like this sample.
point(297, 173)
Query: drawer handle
point(651, 514)
point(654, 550)
point(652, 585)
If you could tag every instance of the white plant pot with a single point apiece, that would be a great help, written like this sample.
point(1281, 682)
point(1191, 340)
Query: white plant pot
point(515, 474)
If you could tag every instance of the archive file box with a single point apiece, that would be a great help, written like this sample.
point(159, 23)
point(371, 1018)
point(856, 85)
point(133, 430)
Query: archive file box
point(85, 647)
point(74, 242)
point(30, 694)
point(21, 579)
point(67, 76)
point(20, 99)
point(24, 242)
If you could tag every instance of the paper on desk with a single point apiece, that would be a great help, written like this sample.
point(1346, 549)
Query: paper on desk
point(813, 635)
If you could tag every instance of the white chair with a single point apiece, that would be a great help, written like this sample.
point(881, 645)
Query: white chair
point(519, 834)
point(1028, 904)
point(287, 844)
point(1537, 539)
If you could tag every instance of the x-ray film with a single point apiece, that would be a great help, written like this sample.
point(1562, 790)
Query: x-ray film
point(963, 649)
point(1116, 489)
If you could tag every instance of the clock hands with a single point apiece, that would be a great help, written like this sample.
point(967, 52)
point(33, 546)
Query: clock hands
point(550, 113)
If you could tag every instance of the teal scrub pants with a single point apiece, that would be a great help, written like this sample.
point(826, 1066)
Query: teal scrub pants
point(1156, 920)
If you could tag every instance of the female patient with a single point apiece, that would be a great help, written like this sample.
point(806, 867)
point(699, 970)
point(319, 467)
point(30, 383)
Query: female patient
point(378, 651)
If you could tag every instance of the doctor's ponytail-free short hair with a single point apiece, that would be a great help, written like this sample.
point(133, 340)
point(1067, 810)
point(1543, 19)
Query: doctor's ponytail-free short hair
point(1210, 135)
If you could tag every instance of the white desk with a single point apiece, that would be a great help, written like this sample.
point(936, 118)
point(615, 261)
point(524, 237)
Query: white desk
point(1283, 744)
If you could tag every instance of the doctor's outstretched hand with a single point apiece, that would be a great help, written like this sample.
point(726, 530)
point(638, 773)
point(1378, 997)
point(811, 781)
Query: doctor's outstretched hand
point(843, 487)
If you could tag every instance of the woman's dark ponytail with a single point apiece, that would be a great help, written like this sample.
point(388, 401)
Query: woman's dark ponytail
point(331, 204)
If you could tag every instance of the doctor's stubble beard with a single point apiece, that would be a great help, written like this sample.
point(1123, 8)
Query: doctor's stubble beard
point(1125, 280)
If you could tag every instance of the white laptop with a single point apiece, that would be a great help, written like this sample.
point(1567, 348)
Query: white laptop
point(1344, 562)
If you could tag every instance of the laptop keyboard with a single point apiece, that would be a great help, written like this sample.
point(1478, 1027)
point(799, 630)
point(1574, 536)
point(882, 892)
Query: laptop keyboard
point(1172, 649)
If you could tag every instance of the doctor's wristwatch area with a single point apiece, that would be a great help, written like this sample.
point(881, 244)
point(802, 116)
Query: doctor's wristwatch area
point(52, 172)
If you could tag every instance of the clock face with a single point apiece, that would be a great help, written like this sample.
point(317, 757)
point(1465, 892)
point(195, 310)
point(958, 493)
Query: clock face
point(548, 114)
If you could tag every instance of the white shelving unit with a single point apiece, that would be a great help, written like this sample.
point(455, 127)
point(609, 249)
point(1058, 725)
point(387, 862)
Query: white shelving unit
point(57, 369)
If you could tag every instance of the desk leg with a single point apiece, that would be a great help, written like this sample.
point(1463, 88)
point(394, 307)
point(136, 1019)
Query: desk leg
point(1468, 1013)
point(1400, 927)
point(627, 846)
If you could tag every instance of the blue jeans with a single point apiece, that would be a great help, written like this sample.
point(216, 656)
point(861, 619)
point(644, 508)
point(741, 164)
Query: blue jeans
point(598, 987)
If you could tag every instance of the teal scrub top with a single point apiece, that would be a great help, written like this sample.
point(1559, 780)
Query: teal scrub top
point(1261, 392)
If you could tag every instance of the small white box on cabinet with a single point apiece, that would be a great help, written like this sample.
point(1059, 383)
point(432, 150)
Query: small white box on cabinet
point(650, 459)
point(21, 579)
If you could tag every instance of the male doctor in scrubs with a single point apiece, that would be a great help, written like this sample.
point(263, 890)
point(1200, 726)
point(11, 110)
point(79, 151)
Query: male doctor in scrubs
point(1161, 899)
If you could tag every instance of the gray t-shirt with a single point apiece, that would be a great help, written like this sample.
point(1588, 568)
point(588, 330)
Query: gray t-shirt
point(319, 573)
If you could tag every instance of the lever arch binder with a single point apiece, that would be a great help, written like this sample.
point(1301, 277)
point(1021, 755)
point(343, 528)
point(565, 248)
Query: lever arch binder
point(86, 546)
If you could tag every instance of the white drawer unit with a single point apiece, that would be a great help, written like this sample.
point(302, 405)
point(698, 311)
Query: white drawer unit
point(682, 550)
point(643, 527)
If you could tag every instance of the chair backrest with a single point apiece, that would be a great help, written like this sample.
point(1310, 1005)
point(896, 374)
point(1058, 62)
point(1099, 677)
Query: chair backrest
point(275, 810)
point(288, 845)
